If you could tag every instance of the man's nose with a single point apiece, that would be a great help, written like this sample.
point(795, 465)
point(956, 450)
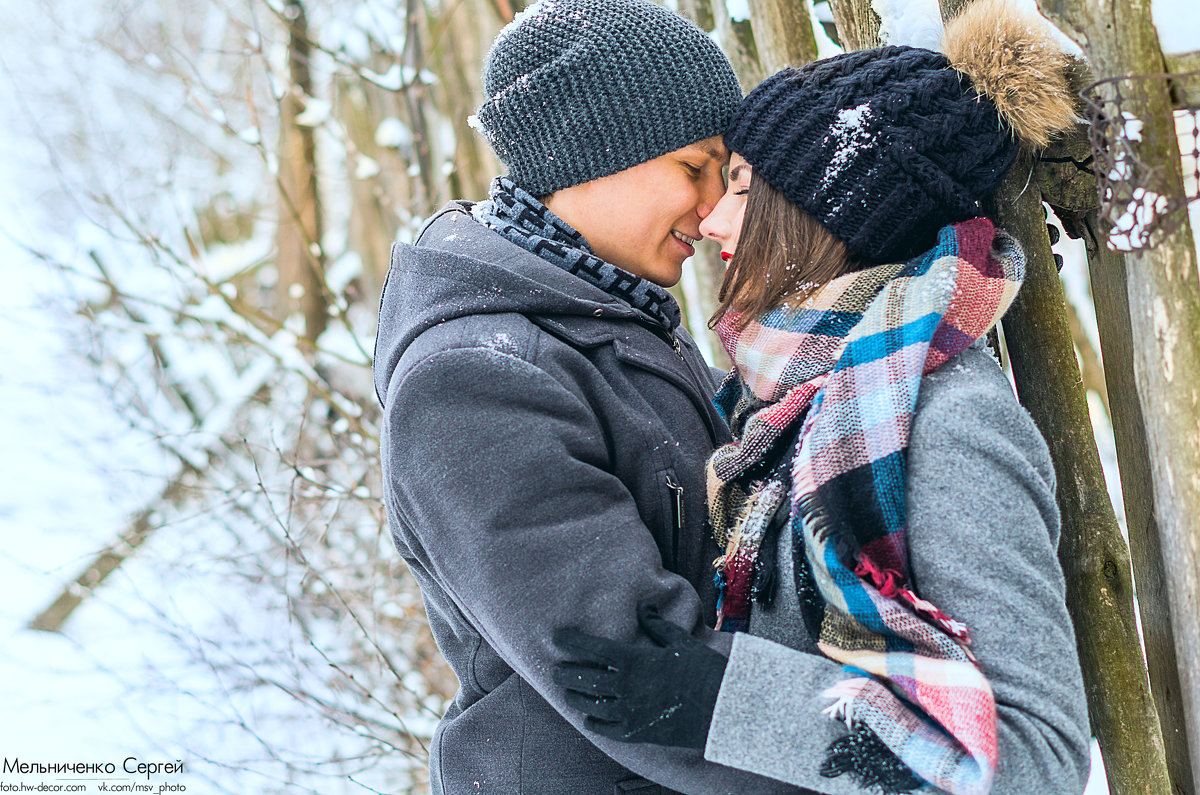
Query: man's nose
point(710, 193)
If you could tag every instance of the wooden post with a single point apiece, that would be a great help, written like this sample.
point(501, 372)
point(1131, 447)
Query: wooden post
point(1067, 184)
point(1163, 288)
point(1109, 277)
point(1094, 557)
point(784, 33)
point(857, 24)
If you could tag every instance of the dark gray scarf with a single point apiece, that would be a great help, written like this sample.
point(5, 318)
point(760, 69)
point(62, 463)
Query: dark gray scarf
point(524, 220)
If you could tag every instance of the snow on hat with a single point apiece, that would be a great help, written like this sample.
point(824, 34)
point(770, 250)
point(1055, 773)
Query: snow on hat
point(580, 89)
point(886, 146)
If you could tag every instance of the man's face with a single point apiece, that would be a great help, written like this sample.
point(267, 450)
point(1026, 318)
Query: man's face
point(646, 219)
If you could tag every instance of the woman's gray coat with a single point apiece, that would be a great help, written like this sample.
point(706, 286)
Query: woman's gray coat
point(983, 532)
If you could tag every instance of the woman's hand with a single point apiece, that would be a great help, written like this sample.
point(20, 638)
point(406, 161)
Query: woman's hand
point(662, 694)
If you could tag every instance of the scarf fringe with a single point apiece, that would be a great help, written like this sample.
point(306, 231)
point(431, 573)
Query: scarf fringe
point(869, 762)
point(843, 692)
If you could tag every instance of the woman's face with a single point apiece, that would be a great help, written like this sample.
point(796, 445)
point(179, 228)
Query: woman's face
point(724, 223)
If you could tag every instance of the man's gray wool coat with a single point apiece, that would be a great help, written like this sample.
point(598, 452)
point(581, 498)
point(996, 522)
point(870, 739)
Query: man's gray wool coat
point(543, 447)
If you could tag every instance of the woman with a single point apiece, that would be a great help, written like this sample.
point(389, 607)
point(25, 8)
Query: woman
point(887, 507)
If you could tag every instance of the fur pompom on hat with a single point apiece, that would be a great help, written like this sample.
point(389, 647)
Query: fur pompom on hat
point(886, 146)
point(580, 89)
point(1012, 59)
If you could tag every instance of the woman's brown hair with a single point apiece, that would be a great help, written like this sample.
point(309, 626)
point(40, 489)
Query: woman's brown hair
point(783, 254)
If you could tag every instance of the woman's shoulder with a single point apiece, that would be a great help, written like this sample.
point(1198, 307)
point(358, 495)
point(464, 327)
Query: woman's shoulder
point(968, 401)
point(973, 372)
point(968, 384)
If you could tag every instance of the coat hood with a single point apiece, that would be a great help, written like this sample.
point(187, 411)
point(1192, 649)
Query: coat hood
point(459, 267)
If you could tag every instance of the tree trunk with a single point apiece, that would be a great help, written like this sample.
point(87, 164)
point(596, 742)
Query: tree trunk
point(372, 223)
point(784, 33)
point(1108, 275)
point(857, 24)
point(700, 288)
point(300, 259)
point(700, 12)
point(1090, 367)
point(1163, 288)
point(737, 39)
point(1094, 557)
point(457, 53)
point(780, 34)
point(950, 8)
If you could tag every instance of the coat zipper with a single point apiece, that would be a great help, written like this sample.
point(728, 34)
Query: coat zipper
point(678, 348)
point(666, 335)
point(698, 397)
point(676, 516)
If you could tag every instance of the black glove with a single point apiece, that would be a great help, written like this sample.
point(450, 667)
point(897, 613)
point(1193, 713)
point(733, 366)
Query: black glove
point(663, 694)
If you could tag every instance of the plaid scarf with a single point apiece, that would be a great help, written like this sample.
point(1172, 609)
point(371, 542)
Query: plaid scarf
point(830, 387)
point(522, 219)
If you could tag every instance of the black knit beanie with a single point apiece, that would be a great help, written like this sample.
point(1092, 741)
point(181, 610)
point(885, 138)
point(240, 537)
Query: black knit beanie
point(883, 146)
point(580, 89)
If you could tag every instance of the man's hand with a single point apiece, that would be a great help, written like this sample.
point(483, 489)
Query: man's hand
point(662, 694)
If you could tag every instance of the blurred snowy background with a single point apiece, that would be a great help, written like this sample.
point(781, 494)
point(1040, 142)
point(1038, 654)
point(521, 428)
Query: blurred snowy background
point(189, 491)
point(189, 487)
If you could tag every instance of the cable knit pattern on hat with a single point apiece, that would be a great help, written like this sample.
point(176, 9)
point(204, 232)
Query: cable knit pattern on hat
point(886, 146)
point(580, 89)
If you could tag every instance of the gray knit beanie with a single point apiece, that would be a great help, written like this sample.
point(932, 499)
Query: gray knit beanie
point(580, 89)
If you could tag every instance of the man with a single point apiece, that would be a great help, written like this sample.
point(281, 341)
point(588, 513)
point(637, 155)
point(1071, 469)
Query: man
point(546, 419)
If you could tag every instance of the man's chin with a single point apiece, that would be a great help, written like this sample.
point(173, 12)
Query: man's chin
point(665, 272)
point(665, 275)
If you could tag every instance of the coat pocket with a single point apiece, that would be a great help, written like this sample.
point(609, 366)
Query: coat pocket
point(639, 786)
point(672, 506)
